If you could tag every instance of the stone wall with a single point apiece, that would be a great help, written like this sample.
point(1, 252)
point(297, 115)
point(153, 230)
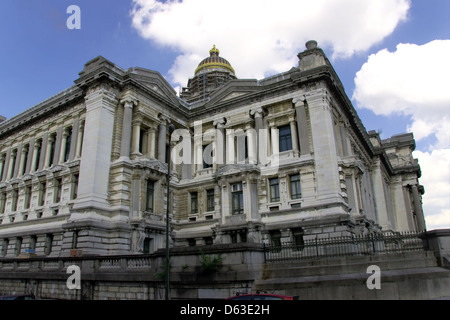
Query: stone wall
point(407, 275)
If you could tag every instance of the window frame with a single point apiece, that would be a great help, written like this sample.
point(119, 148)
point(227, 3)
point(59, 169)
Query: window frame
point(150, 196)
point(237, 195)
point(297, 184)
point(274, 187)
point(193, 202)
point(284, 138)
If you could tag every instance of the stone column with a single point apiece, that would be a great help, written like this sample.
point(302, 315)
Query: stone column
point(23, 161)
point(30, 156)
point(12, 160)
point(251, 144)
point(80, 137)
point(379, 196)
point(42, 158)
point(128, 105)
point(2, 164)
point(6, 166)
point(136, 136)
point(35, 164)
point(17, 161)
point(275, 139)
point(421, 226)
point(198, 151)
point(74, 139)
point(50, 140)
point(230, 146)
point(162, 137)
point(62, 154)
point(59, 137)
point(151, 140)
point(294, 136)
point(220, 143)
point(302, 124)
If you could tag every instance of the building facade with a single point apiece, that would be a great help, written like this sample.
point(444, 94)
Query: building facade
point(280, 159)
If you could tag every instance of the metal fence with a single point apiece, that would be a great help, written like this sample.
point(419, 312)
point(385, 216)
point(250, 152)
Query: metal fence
point(347, 246)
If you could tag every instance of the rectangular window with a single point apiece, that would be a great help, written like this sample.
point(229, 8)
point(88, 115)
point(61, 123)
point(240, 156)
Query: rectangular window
point(3, 202)
point(42, 194)
point(147, 245)
point(285, 138)
point(274, 190)
point(58, 190)
point(210, 200)
point(275, 240)
point(237, 198)
point(75, 186)
point(68, 143)
point(194, 202)
point(52, 150)
point(15, 200)
point(27, 198)
point(295, 186)
point(150, 196)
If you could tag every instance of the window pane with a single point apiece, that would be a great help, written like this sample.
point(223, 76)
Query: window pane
point(150, 195)
point(210, 200)
point(274, 190)
point(194, 202)
point(295, 186)
point(285, 138)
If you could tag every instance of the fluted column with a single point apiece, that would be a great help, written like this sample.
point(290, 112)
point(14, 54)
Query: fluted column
point(35, 163)
point(302, 124)
point(80, 138)
point(136, 136)
point(23, 160)
point(219, 143)
point(12, 161)
point(151, 140)
point(294, 136)
point(230, 146)
point(2, 164)
point(128, 105)
point(62, 154)
point(275, 140)
point(251, 144)
point(421, 226)
point(50, 140)
point(162, 137)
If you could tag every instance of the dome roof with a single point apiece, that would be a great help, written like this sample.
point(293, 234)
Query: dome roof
point(214, 61)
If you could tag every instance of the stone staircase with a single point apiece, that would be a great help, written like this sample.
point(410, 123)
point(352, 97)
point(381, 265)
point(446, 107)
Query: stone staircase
point(409, 275)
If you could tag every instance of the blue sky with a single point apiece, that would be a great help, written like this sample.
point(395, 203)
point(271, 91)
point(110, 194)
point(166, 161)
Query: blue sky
point(40, 56)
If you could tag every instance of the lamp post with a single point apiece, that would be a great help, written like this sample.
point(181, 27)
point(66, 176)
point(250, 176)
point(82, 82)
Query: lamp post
point(171, 130)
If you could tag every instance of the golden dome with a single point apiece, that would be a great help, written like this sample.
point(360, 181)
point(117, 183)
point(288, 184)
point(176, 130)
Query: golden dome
point(214, 61)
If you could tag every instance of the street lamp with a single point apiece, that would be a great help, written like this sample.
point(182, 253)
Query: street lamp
point(171, 130)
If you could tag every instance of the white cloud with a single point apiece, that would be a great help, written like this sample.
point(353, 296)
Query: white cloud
point(412, 81)
point(435, 168)
point(263, 36)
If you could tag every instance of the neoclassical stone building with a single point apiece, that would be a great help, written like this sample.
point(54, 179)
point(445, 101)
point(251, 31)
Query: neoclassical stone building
point(284, 158)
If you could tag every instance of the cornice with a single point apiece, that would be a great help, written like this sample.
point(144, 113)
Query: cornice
point(40, 110)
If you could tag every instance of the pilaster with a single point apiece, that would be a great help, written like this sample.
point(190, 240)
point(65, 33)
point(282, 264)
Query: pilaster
point(96, 158)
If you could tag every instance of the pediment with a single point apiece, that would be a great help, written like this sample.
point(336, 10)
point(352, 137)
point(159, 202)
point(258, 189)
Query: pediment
point(234, 89)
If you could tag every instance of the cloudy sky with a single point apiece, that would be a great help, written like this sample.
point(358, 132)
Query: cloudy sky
point(391, 55)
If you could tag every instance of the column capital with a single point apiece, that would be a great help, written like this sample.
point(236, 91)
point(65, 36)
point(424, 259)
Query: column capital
point(299, 100)
point(257, 112)
point(164, 120)
point(129, 102)
point(219, 123)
